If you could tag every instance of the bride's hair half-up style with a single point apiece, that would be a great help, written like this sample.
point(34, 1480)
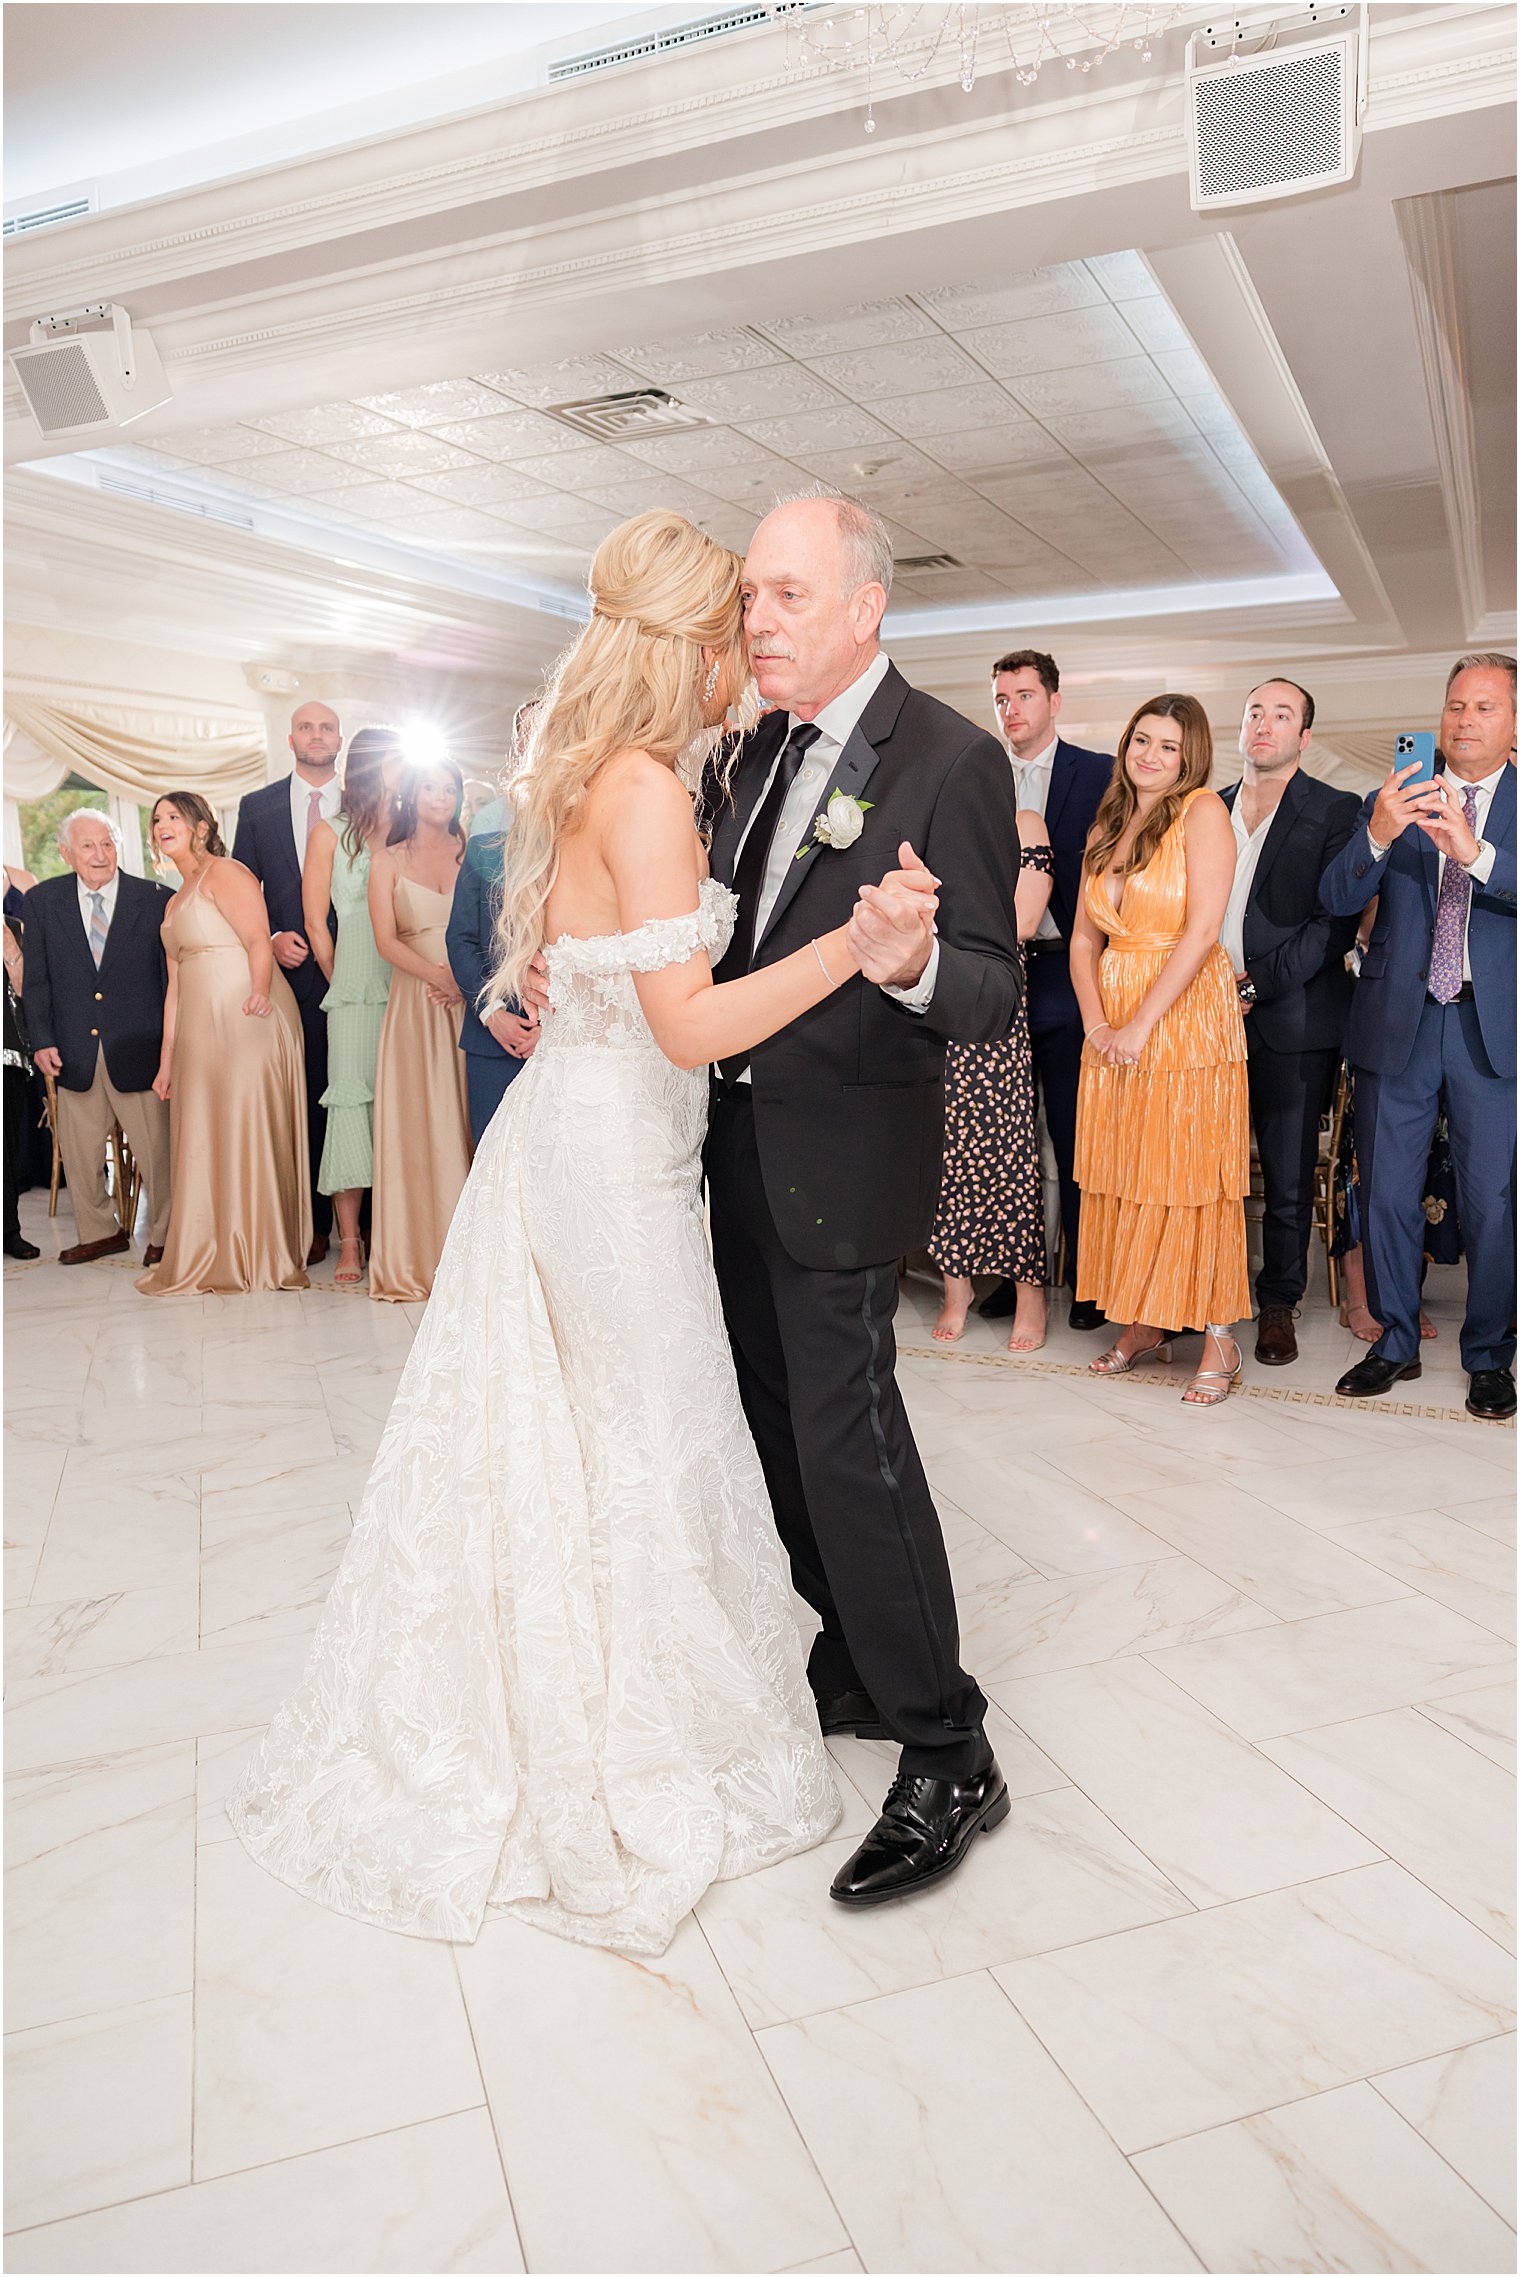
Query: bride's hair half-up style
point(633, 680)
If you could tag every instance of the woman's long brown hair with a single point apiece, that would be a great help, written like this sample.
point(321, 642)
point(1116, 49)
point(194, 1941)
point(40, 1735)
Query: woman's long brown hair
point(362, 808)
point(1117, 810)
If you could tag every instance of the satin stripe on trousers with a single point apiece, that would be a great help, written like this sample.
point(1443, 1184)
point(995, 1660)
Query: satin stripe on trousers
point(816, 1357)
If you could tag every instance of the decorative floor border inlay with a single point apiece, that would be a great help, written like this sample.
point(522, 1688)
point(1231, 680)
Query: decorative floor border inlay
point(1279, 1393)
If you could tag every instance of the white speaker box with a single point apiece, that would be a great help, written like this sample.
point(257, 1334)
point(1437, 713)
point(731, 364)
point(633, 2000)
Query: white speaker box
point(1281, 121)
point(90, 383)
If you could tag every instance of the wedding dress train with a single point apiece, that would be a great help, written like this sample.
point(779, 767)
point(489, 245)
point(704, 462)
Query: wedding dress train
point(559, 1672)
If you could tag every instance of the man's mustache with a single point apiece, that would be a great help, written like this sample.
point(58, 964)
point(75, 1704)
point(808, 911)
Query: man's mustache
point(758, 655)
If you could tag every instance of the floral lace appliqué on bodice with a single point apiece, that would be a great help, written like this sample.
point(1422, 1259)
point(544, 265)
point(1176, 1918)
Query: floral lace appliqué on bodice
point(592, 1000)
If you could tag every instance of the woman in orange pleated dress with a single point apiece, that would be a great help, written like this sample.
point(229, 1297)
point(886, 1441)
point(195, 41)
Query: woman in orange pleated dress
point(1163, 1132)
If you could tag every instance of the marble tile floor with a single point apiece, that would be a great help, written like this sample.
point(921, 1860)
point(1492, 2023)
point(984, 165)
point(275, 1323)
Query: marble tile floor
point(1232, 1988)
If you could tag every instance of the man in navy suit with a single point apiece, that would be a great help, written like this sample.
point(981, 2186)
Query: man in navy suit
point(1066, 784)
point(273, 827)
point(1433, 1022)
point(499, 1049)
point(1289, 960)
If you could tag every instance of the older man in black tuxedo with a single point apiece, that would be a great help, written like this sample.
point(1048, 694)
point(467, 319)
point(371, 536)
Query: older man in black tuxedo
point(825, 1144)
point(273, 827)
point(94, 1001)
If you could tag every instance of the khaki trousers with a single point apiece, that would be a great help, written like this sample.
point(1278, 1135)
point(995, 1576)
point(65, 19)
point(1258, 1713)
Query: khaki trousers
point(84, 1128)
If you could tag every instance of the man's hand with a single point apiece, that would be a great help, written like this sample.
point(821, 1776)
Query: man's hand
point(290, 950)
point(517, 1037)
point(1446, 827)
point(892, 928)
point(534, 993)
point(48, 1062)
point(1399, 803)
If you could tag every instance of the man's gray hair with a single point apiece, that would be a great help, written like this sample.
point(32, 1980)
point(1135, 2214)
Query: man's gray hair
point(86, 814)
point(1484, 660)
point(868, 549)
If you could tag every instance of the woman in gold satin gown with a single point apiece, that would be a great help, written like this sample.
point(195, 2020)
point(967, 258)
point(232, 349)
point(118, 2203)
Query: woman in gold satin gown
point(422, 1122)
point(233, 1072)
point(1163, 1135)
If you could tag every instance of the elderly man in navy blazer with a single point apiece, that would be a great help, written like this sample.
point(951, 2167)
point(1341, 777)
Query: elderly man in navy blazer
point(1065, 784)
point(1433, 1021)
point(273, 827)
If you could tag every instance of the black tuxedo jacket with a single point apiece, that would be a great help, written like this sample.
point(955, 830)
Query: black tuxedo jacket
point(849, 1101)
point(74, 1009)
point(1078, 780)
point(266, 844)
point(1294, 951)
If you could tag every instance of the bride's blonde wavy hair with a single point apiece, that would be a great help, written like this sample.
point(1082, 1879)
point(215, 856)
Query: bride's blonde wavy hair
point(661, 592)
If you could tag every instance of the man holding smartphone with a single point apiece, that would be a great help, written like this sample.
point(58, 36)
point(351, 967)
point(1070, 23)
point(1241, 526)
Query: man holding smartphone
point(1433, 1020)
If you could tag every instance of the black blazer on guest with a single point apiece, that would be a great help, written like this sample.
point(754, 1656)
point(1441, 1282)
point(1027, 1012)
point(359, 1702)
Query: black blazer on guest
point(1295, 952)
point(849, 1101)
point(1078, 780)
point(266, 844)
point(73, 1008)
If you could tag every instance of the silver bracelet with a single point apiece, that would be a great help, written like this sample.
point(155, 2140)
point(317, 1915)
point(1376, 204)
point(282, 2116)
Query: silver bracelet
point(822, 967)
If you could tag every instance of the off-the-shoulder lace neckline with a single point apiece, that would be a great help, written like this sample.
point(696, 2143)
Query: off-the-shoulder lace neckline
point(589, 940)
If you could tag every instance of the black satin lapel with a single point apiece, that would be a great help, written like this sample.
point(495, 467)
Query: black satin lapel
point(853, 769)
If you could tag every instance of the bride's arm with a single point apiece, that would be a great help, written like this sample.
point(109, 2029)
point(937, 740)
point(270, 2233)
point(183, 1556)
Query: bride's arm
point(650, 849)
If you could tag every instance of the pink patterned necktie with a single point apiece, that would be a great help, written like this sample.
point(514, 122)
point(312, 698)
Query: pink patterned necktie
point(1452, 904)
point(313, 813)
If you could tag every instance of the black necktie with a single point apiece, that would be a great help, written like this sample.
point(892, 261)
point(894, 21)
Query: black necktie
point(749, 873)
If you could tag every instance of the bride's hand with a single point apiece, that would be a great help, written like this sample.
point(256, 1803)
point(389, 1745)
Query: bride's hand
point(535, 989)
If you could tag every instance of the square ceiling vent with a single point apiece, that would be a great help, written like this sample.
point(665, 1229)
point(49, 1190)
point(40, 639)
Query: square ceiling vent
point(629, 418)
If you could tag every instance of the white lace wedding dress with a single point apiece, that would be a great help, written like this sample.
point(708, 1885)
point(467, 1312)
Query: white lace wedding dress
point(559, 1672)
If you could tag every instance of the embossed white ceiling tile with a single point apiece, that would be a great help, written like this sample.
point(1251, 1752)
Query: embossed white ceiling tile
point(1184, 370)
point(447, 525)
point(1211, 415)
point(377, 501)
point(994, 449)
point(436, 404)
point(571, 470)
point(1091, 387)
point(730, 526)
point(755, 484)
point(1156, 325)
point(324, 423)
point(868, 324)
point(874, 469)
point(947, 411)
point(1036, 292)
point(224, 446)
point(947, 585)
point(810, 431)
point(406, 450)
point(904, 369)
point(1050, 343)
point(648, 493)
point(561, 516)
point(1124, 426)
point(1123, 276)
point(743, 397)
point(699, 355)
point(720, 448)
point(480, 484)
point(511, 434)
point(293, 474)
point(571, 380)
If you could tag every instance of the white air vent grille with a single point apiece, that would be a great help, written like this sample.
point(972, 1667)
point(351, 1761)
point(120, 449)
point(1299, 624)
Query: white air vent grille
point(67, 206)
point(1268, 125)
point(60, 388)
point(691, 34)
point(614, 418)
point(146, 495)
point(924, 564)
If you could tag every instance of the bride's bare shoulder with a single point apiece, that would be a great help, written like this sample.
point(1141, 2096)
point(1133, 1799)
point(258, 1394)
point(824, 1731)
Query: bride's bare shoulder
point(632, 785)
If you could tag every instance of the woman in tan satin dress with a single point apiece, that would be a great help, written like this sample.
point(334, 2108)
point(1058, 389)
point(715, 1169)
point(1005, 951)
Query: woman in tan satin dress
point(422, 1122)
point(233, 1072)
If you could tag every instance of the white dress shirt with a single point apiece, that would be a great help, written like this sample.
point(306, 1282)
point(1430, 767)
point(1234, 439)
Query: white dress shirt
point(1032, 779)
point(87, 903)
point(1248, 846)
point(300, 807)
point(1482, 869)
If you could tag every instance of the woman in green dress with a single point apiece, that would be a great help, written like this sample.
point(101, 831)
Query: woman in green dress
point(336, 880)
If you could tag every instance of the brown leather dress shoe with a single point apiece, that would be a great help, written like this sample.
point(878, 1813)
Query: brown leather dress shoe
point(85, 1252)
point(153, 1254)
point(1276, 1343)
point(318, 1250)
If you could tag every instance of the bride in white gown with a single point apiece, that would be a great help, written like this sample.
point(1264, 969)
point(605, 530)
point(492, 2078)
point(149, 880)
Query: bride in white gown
point(559, 1673)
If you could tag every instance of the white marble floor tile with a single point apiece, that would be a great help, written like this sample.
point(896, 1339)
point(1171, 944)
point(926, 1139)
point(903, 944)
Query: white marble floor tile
point(48, 1640)
point(1464, 2104)
point(99, 1893)
point(1128, 1464)
point(1336, 1665)
point(1055, 1872)
point(269, 1452)
point(1190, 2023)
point(97, 2110)
point(1485, 1718)
point(118, 1524)
point(1493, 1514)
point(1058, 1526)
point(219, 1761)
point(1325, 1495)
point(262, 1578)
point(1022, 1628)
point(639, 2126)
point(106, 1711)
point(1457, 1565)
point(425, 2197)
point(1218, 1820)
point(33, 1471)
point(847, 2260)
point(1426, 1798)
point(950, 2141)
point(1337, 2181)
point(311, 2029)
point(1273, 1560)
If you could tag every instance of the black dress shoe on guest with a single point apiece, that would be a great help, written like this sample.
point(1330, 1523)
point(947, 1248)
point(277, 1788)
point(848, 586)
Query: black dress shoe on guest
point(17, 1246)
point(1000, 1303)
point(924, 1831)
point(1372, 1375)
point(1490, 1394)
point(1086, 1315)
point(854, 1712)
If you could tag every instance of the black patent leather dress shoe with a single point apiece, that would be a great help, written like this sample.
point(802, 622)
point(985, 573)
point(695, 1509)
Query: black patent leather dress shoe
point(854, 1712)
point(1086, 1315)
point(1491, 1394)
point(1372, 1375)
point(924, 1831)
point(1000, 1303)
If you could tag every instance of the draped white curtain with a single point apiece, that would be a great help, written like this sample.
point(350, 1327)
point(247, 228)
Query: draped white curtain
point(132, 745)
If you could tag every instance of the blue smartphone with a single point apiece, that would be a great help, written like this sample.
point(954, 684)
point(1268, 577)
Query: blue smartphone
point(1419, 746)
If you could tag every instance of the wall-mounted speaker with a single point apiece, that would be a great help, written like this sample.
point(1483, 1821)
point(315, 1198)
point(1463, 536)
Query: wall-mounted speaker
point(1281, 120)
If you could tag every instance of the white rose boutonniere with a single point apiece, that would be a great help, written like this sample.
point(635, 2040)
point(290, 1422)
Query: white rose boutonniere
point(840, 824)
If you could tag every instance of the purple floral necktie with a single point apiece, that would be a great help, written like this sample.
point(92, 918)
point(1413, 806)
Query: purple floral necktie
point(1452, 903)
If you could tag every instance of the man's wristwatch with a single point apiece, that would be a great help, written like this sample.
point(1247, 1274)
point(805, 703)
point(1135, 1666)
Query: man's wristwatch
point(1478, 853)
point(1245, 989)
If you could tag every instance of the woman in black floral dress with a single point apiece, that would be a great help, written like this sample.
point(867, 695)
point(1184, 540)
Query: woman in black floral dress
point(991, 1213)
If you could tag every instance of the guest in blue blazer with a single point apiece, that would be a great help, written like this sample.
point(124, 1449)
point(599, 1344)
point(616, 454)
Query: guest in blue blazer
point(1065, 784)
point(497, 1050)
point(1433, 1021)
